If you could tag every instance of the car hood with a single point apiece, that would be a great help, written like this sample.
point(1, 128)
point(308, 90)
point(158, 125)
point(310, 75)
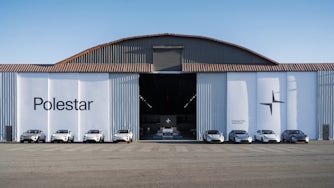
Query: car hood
point(60, 134)
point(242, 135)
point(299, 135)
point(122, 134)
point(92, 135)
point(215, 135)
point(273, 136)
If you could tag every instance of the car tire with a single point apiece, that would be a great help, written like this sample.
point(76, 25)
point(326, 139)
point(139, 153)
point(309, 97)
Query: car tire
point(21, 141)
point(261, 140)
point(37, 140)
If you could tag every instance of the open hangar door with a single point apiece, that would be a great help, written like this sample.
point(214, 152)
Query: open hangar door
point(167, 106)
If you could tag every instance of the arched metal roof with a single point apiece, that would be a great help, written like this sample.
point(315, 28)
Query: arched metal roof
point(198, 49)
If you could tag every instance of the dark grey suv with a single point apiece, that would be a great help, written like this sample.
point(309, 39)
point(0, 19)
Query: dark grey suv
point(294, 136)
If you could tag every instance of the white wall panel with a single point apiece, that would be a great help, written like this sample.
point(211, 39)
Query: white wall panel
point(94, 88)
point(63, 87)
point(302, 102)
point(31, 85)
point(211, 102)
point(272, 101)
point(241, 102)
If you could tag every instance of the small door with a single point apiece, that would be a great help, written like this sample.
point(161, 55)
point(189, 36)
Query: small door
point(9, 133)
point(325, 132)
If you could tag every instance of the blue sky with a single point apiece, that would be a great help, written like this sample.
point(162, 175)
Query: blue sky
point(48, 31)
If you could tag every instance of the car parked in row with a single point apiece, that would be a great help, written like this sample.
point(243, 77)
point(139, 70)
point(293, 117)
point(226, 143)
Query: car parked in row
point(93, 136)
point(62, 136)
point(123, 136)
point(213, 136)
point(33, 135)
point(294, 136)
point(240, 136)
point(267, 136)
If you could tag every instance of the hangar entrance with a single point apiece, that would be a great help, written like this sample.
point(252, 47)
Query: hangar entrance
point(167, 106)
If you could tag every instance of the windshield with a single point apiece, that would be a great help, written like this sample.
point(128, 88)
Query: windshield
point(297, 132)
point(240, 132)
point(213, 132)
point(62, 131)
point(268, 132)
point(123, 131)
point(93, 132)
point(33, 131)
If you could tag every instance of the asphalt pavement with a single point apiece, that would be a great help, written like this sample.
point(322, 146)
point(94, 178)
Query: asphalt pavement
point(167, 164)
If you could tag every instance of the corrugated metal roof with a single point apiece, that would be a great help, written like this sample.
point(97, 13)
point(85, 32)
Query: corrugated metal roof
point(74, 67)
point(91, 50)
point(195, 67)
point(147, 68)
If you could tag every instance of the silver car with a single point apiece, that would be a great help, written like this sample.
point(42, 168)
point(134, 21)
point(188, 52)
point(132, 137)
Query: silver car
point(213, 136)
point(93, 136)
point(62, 136)
point(33, 135)
point(240, 136)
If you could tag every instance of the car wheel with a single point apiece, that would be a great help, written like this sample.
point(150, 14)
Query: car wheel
point(261, 140)
point(21, 141)
point(37, 140)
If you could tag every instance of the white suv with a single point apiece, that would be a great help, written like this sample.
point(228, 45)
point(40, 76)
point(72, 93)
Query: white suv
point(123, 135)
point(62, 136)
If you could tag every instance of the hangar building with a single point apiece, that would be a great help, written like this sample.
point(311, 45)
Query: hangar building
point(143, 83)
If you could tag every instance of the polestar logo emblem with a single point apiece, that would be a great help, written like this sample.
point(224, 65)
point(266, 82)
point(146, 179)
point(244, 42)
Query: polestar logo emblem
point(272, 102)
point(168, 120)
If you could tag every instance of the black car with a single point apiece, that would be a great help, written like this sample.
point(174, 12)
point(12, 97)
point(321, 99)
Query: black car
point(294, 136)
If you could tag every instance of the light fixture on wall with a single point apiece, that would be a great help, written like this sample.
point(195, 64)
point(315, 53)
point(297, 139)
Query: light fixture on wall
point(144, 100)
point(190, 100)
